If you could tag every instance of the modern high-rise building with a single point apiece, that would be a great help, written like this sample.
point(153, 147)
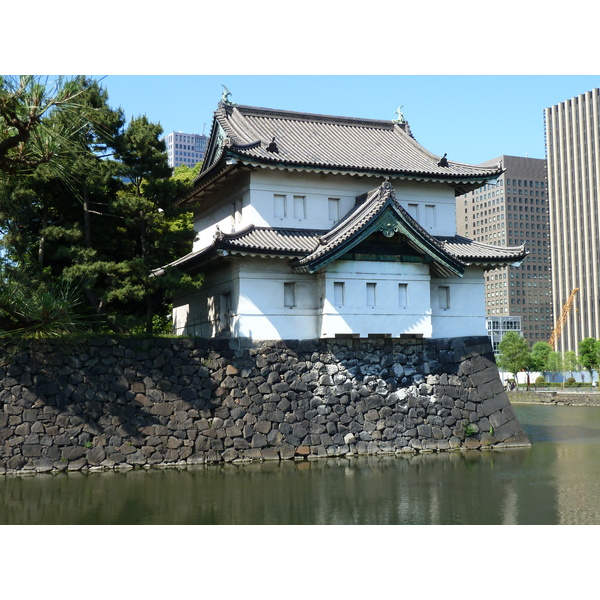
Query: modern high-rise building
point(185, 148)
point(573, 157)
point(510, 212)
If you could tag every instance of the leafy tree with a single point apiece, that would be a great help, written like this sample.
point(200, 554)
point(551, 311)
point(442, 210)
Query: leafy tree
point(539, 356)
point(571, 361)
point(554, 363)
point(514, 355)
point(186, 175)
point(157, 231)
point(589, 355)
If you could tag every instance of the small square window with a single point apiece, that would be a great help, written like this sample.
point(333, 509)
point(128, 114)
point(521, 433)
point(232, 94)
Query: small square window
point(413, 211)
point(289, 295)
point(300, 207)
point(334, 209)
point(280, 206)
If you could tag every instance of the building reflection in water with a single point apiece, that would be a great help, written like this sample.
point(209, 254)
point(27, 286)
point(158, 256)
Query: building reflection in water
point(557, 480)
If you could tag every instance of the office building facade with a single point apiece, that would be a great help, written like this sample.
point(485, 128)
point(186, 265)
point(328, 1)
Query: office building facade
point(511, 211)
point(573, 157)
point(185, 148)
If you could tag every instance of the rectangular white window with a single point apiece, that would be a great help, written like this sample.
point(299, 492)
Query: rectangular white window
point(413, 211)
point(403, 295)
point(444, 297)
point(280, 206)
point(371, 294)
point(338, 293)
point(334, 209)
point(289, 295)
point(430, 215)
point(299, 207)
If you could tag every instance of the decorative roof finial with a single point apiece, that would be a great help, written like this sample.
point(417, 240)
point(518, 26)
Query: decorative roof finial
point(400, 118)
point(272, 147)
point(225, 97)
point(218, 235)
point(443, 162)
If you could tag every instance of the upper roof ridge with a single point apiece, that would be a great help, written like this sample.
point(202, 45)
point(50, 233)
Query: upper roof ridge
point(308, 116)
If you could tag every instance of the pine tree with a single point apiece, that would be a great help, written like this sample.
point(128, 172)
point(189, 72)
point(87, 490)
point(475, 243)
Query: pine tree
point(97, 216)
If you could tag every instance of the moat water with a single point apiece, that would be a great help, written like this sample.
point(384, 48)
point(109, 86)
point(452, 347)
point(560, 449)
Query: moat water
point(556, 481)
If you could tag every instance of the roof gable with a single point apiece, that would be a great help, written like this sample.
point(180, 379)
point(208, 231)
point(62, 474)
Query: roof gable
point(379, 212)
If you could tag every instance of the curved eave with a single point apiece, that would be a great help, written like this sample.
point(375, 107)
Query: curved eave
point(461, 183)
point(493, 263)
point(214, 177)
point(488, 256)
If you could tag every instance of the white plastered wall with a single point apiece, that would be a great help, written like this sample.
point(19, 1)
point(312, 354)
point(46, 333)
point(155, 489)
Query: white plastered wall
point(373, 300)
point(252, 202)
point(465, 314)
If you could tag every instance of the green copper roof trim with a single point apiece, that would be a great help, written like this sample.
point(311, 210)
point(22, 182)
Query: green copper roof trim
point(390, 223)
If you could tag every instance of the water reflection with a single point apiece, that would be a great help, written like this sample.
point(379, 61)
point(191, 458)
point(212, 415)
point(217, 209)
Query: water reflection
point(555, 481)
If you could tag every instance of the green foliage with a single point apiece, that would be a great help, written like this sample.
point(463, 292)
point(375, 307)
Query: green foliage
point(514, 353)
point(470, 429)
point(554, 363)
point(589, 354)
point(31, 131)
point(32, 312)
point(570, 382)
point(539, 380)
point(97, 207)
point(186, 175)
point(571, 361)
point(539, 356)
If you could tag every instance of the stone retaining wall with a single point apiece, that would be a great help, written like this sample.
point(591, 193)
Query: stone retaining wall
point(558, 397)
point(110, 404)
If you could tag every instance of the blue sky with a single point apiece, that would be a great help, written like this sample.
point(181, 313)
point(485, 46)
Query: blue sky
point(473, 78)
point(472, 118)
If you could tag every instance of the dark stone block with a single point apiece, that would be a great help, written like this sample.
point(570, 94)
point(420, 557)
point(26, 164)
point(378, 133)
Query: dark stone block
point(493, 404)
point(73, 453)
point(30, 450)
point(16, 462)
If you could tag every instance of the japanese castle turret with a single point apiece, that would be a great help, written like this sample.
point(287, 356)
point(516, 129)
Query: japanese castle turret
point(314, 226)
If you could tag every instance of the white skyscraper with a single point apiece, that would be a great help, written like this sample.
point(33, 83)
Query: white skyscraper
point(185, 148)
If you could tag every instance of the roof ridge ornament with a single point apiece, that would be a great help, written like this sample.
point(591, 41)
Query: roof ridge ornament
point(218, 235)
point(443, 162)
point(400, 116)
point(225, 97)
point(272, 147)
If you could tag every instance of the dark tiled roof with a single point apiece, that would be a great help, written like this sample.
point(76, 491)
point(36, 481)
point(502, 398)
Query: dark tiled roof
point(333, 143)
point(269, 240)
point(259, 241)
point(472, 252)
point(310, 249)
